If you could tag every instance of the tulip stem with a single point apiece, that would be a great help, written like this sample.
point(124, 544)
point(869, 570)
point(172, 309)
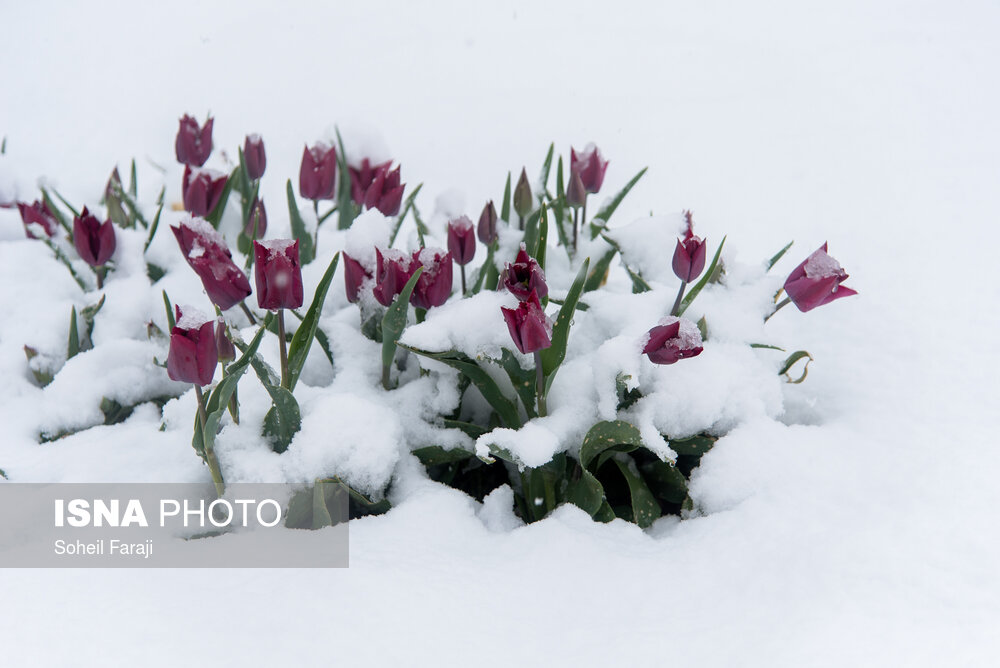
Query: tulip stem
point(253, 320)
point(100, 271)
point(677, 302)
point(210, 458)
point(540, 384)
point(462, 266)
point(583, 217)
point(783, 303)
point(576, 227)
point(284, 348)
point(520, 222)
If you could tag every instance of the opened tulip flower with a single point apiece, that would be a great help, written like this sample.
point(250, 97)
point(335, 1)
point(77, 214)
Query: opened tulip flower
point(38, 219)
point(393, 269)
point(590, 165)
point(355, 275)
point(434, 285)
point(487, 229)
point(362, 177)
point(256, 226)
point(531, 331)
point(672, 340)
point(193, 144)
point(385, 192)
point(205, 250)
point(524, 276)
point(522, 198)
point(279, 286)
point(95, 242)
point(254, 156)
point(202, 189)
point(318, 172)
point(815, 282)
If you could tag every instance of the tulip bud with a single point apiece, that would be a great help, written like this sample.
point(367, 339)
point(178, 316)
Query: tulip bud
point(522, 195)
point(355, 275)
point(528, 325)
point(590, 166)
point(38, 219)
point(393, 270)
point(689, 254)
point(487, 230)
point(576, 194)
point(254, 156)
point(95, 241)
point(461, 240)
point(673, 339)
point(278, 273)
point(258, 218)
point(193, 144)
point(434, 285)
point(817, 281)
point(205, 250)
point(193, 352)
point(317, 174)
point(225, 347)
point(385, 192)
point(524, 276)
point(202, 189)
point(362, 177)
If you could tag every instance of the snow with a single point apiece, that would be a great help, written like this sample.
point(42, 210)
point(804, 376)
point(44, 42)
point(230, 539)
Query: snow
point(191, 318)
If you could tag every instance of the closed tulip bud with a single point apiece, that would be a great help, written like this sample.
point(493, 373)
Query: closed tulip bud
point(524, 276)
point(38, 219)
point(385, 192)
point(817, 281)
point(528, 325)
point(362, 177)
point(318, 172)
point(487, 229)
point(434, 285)
point(223, 345)
point(590, 165)
point(689, 254)
point(355, 275)
point(278, 273)
point(576, 194)
point(393, 269)
point(461, 240)
point(522, 195)
point(205, 250)
point(193, 144)
point(202, 189)
point(258, 219)
point(673, 339)
point(194, 352)
point(254, 156)
point(95, 241)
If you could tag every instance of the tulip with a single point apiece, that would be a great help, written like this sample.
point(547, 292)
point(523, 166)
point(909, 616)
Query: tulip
point(532, 332)
point(194, 351)
point(362, 177)
point(385, 192)
point(689, 254)
point(317, 175)
point(227, 352)
point(487, 230)
point(193, 144)
point(254, 156)
point(461, 243)
point(522, 198)
point(95, 242)
point(673, 339)
point(202, 189)
point(524, 276)
point(355, 275)
point(37, 218)
point(590, 166)
point(434, 285)
point(205, 250)
point(258, 221)
point(278, 274)
point(815, 282)
point(393, 270)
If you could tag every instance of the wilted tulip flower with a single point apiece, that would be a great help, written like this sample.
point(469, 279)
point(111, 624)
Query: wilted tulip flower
point(355, 275)
point(524, 276)
point(393, 269)
point(689, 254)
point(522, 197)
point(487, 230)
point(202, 189)
point(528, 325)
point(38, 219)
point(461, 240)
point(318, 172)
point(673, 339)
point(278, 273)
point(817, 281)
point(205, 250)
point(590, 166)
point(225, 347)
point(362, 177)
point(194, 350)
point(434, 285)
point(193, 144)
point(95, 241)
point(258, 218)
point(254, 156)
point(385, 192)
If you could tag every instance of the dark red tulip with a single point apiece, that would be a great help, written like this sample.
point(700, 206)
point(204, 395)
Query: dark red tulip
point(522, 195)
point(590, 165)
point(434, 285)
point(487, 230)
point(318, 172)
point(254, 156)
point(193, 352)
point(205, 250)
point(95, 241)
point(225, 347)
point(576, 194)
point(355, 275)
point(362, 177)
point(385, 192)
point(278, 273)
point(461, 240)
point(193, 144)
point(258, 217)
point(689, 254)
point(528, 325)
point(392, 271)
point(675, 339)
point(202, 189)
point(524, 277)
point(37, 217)
point(817, 281)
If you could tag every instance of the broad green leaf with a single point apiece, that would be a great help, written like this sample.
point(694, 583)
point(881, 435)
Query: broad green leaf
point(304, 335)
point(74, 337)
point(586, 492)
point(600, 273)
point(694, 446)
point(777, 256)
point(645, 508)
point(693, 292)
point(42, 376)
point(283, 420)
point(393, 324)
point(664, 481)
point(307, 249)
point(505, 208)
point(554, 355)
point(523, 381)
point(605, 514)
point(609, 435)
point(215, 216)
point(434, 455)
point(703, 328)
point(600, 221)
point(790, 362)
point(219, 398)
point(473, 430)
point(88, 314)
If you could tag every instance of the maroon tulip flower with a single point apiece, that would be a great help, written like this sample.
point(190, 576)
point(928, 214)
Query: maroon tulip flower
point(355, 275)
point(817, 281)
point(95, 241)
point(528, 325)
point(522, 197)
point(590, 165)
point(461, 240)
point(674, 339)
point(278, 273)
point(524, 277)
point(254, 156)
point(193, 144)
point(225, 347)
point(385, 192)
point(393, 270)
point(202, 189)
point(205, 250)
point(317, 175)
point(193, 352)
point(689, 255)
point(434, 285)
point(487, 230)
point(258, 217)
point(362, 177)
point(37, 218)
point(576, 194)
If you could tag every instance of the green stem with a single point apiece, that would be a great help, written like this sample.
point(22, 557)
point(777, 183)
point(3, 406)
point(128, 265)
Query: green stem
point(540, 385)
point(210, 458)
point(463, 279)
point(576, 227)
point(583, 218)
point(100, 271)
point(782, 304)
point(246, 310)
point(284, 348)
point(677, 302)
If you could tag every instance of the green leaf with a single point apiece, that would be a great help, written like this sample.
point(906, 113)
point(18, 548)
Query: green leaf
point(3, 474)
point(609, 435)
point(645, 508)
point(472, 430)
point(394, 322)
point(600, 220)
point(703, 328)
point(88, 314)
point(694, 446)
point(422, 230)
point(766, 346)
point(219, 398)
point(790, 362)
point(434, 455)
point(304, 335)
point(559, 209)
point(170, 312)
point(505, 208)
point(215, 216)
point(60, 216)
point(639, 284)
point(307, 249)
point(42, 376)
point(66, 202)
point(533, 233)
point(777, 256)
point(543, 178)
point(483, 270)
point(523, 381)
point(152, 229)
point(66, 262)
point(600, 273)
point(586, 492)
point(74, 337)
point(310, 508)
point(283, 420)
point(133, 181)
point(407, 205)
point(605, 514)
point(664, 481)
point(554, 355)
point(345, 205)
point(693, 292)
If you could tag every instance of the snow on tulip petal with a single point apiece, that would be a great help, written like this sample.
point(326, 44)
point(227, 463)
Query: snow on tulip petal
point(817, 281)
point(193, 353)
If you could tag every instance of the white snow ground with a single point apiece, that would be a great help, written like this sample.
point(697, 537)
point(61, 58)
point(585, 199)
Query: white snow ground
point(863, 532)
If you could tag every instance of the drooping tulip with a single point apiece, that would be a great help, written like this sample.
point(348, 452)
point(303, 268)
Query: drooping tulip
point(38, 219)
point(95, 241)
point(355, 275)
point(590, 165)
point(205, 250)
point(528, 325)
point(278, 273)
point(461, 240)
point(318, 172)
point(393, 269)
point(385, 192)
point(522, 197)
point(254, 156)
point(672, 340)
point(258, 219)
point(524, 276)
point(487, 229)
point(689, 254)
point(434, 285)
point(202, 189)
point(194, 350)
point(817, 281)
point(193, 144)
point(362, 177)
